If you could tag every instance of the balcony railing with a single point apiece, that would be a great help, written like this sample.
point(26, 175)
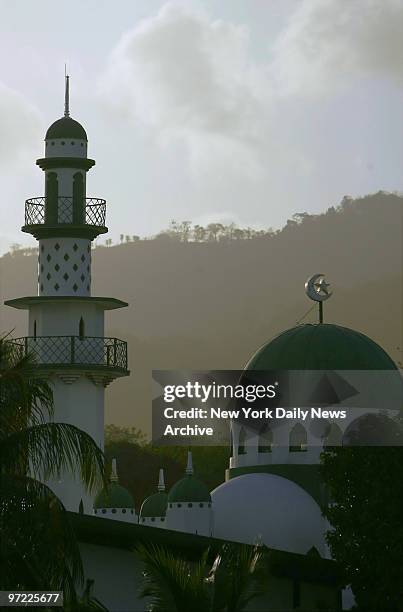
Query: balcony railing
point(94, 211)
point(70, 351)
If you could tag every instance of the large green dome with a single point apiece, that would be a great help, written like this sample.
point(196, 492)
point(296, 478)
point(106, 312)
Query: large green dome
point(189, 489)
point(66, 127)
point(155, 505)
point(321, 347)
point(114, 496)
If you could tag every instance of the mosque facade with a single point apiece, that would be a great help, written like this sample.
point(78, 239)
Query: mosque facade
point(271, 492)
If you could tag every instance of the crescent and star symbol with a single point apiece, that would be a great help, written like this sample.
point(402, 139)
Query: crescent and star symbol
point(317, 288)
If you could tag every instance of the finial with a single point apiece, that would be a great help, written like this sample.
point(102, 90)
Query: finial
point(189, 467)
point(66, 93)
point(114, 472)
point(161, 481)
point(317, 289)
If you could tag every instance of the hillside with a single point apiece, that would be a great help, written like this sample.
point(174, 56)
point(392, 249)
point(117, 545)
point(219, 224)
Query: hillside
point(209, 305)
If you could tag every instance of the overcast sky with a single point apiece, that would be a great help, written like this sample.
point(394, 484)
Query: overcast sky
point(238, 110)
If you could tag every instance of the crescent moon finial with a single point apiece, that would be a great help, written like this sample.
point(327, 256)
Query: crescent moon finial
point(317, 289)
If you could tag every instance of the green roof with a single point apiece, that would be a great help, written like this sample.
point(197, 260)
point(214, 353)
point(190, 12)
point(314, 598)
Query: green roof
point(189, 489)
point(66, 127)
point(155, 505)
point(114, 496)
point(321, 347)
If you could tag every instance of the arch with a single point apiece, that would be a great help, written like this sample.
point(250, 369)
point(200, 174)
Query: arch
point(81, 329)
point(51, 198)
point(297, 439)
point(78, 199)
point(334, 436)
point(242, 441)
point(265, 439)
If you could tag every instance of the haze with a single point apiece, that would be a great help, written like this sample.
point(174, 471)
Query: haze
point(205, 111)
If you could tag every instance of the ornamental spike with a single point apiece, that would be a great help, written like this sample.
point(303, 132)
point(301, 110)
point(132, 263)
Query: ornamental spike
point(161, 481)
point(189, 467)
point(66, 93)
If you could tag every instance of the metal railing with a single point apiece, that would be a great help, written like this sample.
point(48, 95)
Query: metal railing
point(70, 351)
point(94, 209)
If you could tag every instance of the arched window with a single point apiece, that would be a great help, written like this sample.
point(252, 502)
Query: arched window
point(298, 439)
point(81, 329)
point(35, 328)
point(265, 439)
point(333, 437)
point(242, 442)
point(51, 198)
point(78, 199)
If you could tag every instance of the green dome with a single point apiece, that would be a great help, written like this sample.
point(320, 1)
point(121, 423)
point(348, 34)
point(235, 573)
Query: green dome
point(189, 489)
point(155, 505)
point(66, 127)
point(321, 347)
point(114, 496)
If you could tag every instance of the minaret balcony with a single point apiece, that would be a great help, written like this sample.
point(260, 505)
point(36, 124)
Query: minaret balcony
point(65, 216)
point(105, 356)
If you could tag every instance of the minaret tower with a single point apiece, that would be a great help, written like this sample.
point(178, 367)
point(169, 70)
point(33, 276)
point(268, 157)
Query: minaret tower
point(66, 324)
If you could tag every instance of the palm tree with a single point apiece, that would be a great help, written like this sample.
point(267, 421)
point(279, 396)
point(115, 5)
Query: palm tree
point(229, 584)
point(38, 549)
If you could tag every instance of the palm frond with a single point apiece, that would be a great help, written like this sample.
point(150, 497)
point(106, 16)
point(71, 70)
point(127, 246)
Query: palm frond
point(237, 577)
point(39, 549)
point(171, 583)
point(53, 448)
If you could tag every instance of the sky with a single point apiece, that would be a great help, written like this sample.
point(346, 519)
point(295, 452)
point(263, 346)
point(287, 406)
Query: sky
point(242, 111)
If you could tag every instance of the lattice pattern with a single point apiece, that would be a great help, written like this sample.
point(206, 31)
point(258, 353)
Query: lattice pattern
point(70, 350)
point(95, 211)
point(64, 266)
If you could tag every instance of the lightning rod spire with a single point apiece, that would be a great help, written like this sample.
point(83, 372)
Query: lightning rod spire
point(66, 93)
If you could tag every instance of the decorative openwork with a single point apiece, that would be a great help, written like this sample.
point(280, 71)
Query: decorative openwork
point(70, 351)
point(95, 211)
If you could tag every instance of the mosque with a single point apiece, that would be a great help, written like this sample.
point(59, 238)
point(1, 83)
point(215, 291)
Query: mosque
point(272, 490)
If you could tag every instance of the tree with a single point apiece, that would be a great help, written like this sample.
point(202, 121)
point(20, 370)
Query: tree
point(199, 233)
point(132, 435)
point(213, 230)
point(366, 489)
point(38, 547)
point(229, 584)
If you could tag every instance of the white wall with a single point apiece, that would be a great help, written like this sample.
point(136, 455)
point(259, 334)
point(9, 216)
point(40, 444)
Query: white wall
point(80, 403)
point(71, 148)
point(117, 575)
point(191, 520)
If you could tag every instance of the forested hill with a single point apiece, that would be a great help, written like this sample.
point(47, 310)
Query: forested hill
point(207, 300)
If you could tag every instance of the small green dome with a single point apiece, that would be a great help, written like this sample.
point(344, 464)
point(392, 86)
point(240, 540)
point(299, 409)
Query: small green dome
point(189, 489)
point(154, 505)
point(114, 496)
point(66, 127)
point(321, 347)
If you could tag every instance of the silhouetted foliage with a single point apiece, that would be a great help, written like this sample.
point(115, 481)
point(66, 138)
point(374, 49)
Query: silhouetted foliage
point(366, 489)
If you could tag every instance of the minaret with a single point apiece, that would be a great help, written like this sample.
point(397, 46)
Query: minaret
point(154, 508)
point(189, 504)
point(114, 501)
point(66, 324)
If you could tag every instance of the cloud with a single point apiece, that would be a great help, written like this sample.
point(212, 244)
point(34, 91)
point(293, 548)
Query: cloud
point(193, 80)
point(21, 127)
point(257, 131)
point(327, 44)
